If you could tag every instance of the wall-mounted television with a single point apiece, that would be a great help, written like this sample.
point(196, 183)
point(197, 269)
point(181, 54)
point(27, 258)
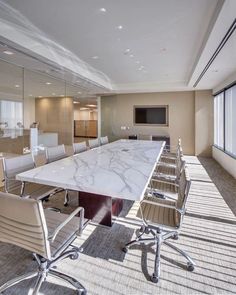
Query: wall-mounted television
point(151, 115)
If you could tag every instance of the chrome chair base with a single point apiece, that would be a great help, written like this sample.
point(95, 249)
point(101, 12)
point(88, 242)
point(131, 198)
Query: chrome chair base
point(159, 237)
point(44, 270)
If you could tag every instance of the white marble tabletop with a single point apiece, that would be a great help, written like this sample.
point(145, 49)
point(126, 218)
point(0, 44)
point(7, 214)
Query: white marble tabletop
point(121, 169)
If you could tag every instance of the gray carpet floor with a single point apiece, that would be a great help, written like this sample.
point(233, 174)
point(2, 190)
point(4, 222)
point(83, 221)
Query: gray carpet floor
point(208, 235)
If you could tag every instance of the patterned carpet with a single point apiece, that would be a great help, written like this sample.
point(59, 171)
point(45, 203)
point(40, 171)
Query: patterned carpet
point(208, 235)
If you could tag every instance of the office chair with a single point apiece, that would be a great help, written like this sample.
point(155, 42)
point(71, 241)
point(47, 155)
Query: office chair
point(170, 157)
point(104, 140)
point(162, 220)
point(93, 143)
point(47, 234)
point(13, 166)
point(79, 147)
point(57, 153)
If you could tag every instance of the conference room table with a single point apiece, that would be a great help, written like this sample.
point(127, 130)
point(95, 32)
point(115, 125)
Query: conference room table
point(103, 176)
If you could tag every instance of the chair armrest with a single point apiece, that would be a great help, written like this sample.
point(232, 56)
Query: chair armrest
point(57, 229)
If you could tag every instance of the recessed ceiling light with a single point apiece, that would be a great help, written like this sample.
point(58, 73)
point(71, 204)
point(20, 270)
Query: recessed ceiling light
point(76, 102)
point(103, 9)
point(79, 92)
point(127, 51)
point(131, 55)
point(61, 94)
point(30, 94)
point(141, 68)
point(40, 96)
point(8, 52)
point(48, 83)
point(17, 86)
point(83, 109)
point(53, 93)
point(95, 57)
point(91, 105)
point(137, 62)
point(119, 27)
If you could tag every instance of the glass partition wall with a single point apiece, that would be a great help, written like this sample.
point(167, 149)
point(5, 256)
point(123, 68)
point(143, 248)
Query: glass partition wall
point(56, 108)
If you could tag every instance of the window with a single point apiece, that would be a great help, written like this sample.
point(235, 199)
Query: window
point(225, 120)
point(11, 114)
point(156, 115)
point(219, 120)
point(230, 120)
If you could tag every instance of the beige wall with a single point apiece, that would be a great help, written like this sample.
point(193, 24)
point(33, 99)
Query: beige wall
point(55, 114)
point(204, 123)
point(227, 162)
point(29, 111)
point(84, 114)
point(117, 111)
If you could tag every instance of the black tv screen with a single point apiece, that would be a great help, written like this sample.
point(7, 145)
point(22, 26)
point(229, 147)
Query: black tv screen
point(150, 115)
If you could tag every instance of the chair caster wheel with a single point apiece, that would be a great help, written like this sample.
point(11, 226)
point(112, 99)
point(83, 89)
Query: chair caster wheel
point(154, 278)
point(175, 237)
point(81, 292)
point(190, 266)
point(125, 249)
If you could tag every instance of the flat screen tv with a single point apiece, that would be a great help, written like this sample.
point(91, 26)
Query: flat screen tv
point(151, 115)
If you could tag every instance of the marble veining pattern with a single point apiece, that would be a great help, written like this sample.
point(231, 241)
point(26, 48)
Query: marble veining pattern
point(119, 169)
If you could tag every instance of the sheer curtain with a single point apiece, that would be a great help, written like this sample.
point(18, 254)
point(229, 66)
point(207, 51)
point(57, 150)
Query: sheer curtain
point(219, 120)
point(230, 120)
point(11, 113)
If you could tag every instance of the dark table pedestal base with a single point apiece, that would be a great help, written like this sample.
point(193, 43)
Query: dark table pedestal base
point(100, 208)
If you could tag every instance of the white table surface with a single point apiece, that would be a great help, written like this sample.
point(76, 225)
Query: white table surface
point(121, 169)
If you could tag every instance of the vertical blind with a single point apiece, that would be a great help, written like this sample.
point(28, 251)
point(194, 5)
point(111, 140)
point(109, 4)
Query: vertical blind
point(11, 113)
point(225, 120)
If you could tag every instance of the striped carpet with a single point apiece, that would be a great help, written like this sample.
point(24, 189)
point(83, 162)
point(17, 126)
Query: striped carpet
point(208, 235)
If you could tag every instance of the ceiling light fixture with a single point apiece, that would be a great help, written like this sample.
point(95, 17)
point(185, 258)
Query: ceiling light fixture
point(141, 68)
point(103, 9)
point(127, 51)
point(40, 96)
point(76, 102)
point(8, 52)
point(91, 105)
point(95, 57)
point(61, 94)
point(137, 62)
point(119, 27)
point(131, 55)
point(53, 93)
point(84, 109)
point(30, 94)
point(17, 86)
point(79, 92)
point(48, 83)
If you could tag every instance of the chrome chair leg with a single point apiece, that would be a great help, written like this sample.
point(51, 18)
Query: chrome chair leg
point(190, 264)
point(40, 279)
point(66, 201)
point(157, 265)
point(17, 280)
point(79, 287)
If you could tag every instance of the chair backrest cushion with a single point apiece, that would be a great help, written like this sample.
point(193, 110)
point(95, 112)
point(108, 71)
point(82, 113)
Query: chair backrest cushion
point(104, 140)
point(79, 147)
point(93, 143)
point(55, 153)
point(184, 187)
point(22, 223)
point(13, 166)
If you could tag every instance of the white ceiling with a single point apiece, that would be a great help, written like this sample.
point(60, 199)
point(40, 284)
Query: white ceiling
point(171, 39)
